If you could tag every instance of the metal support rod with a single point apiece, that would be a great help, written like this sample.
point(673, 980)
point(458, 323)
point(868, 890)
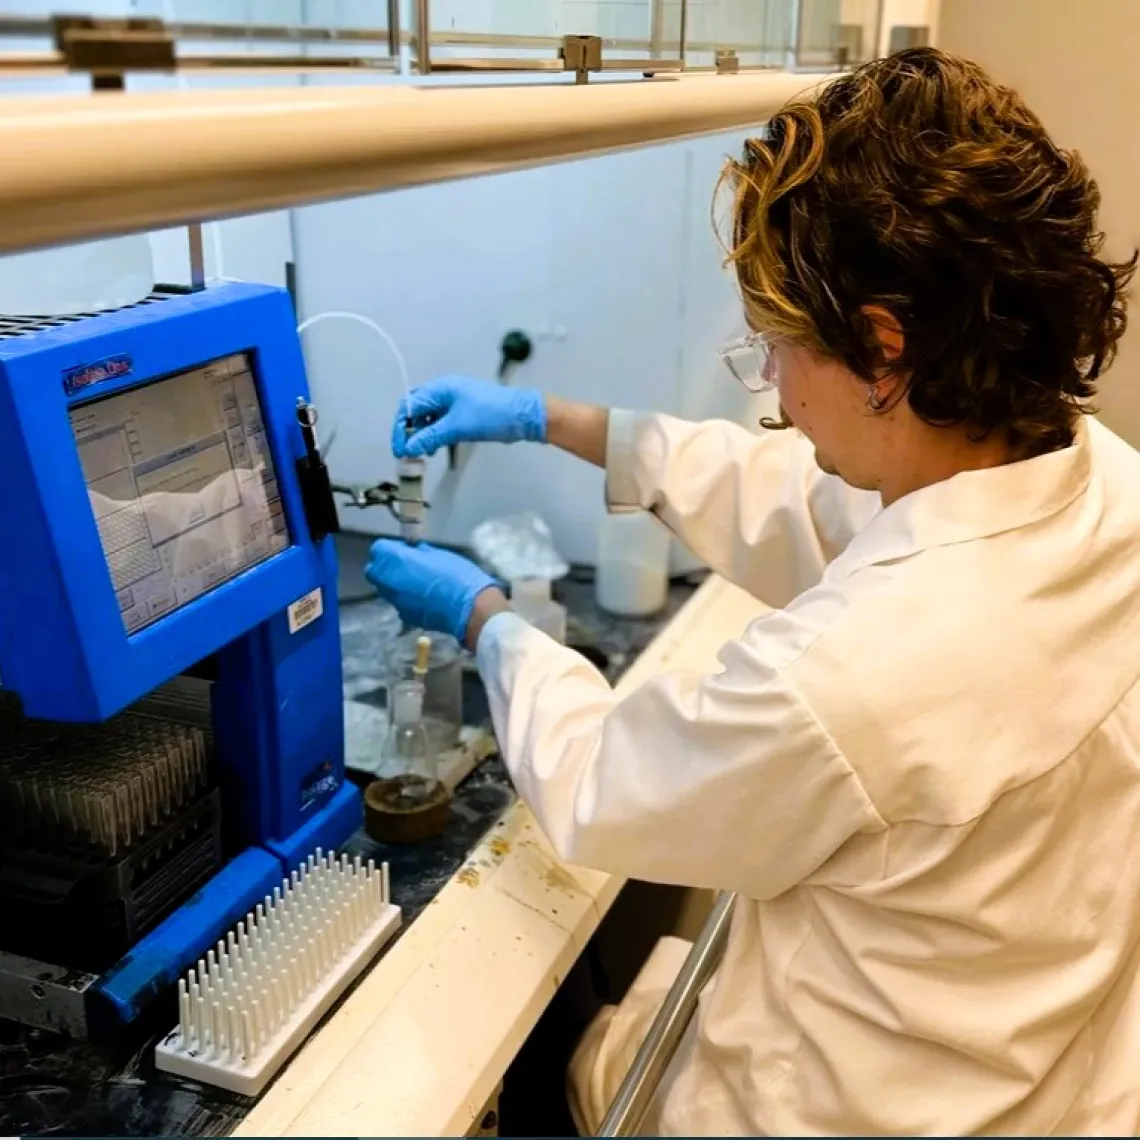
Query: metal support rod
point(645, 66)
point(451, 38)
point(740, 69)
point(656, 27)
point(497, 64)
point(423, 36)
point(197, 257)
point(24, 27)
point(682, 35)
point(252, 62)
point(394, 28)
point(446, 38)
point(796, 37)
point(661, 1042)
point(53, 63)
point(32, 27)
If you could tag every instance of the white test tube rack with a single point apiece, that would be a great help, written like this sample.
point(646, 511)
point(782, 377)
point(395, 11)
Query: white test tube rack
point(254, 999)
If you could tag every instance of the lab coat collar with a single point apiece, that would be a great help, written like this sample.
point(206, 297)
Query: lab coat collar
point(973, 505)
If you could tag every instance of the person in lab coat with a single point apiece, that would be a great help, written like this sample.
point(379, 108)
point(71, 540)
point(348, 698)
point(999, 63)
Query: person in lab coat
point(921, 769)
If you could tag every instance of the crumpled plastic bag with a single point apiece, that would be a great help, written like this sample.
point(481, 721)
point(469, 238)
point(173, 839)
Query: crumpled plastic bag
point(518, 546)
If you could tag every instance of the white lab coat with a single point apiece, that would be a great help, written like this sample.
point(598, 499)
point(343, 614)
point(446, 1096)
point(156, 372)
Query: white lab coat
point(922, 773)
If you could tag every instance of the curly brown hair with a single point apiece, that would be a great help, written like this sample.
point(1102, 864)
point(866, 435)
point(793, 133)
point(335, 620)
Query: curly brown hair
point(918, 184)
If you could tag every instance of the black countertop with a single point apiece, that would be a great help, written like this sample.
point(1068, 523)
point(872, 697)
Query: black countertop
point(52, 1086)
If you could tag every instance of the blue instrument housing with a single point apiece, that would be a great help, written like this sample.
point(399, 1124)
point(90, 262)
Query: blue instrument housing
point(65, 650)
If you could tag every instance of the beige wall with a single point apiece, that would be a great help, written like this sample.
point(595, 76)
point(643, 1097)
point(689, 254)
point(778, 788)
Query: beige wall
point(1076, 65)
point(910, 12)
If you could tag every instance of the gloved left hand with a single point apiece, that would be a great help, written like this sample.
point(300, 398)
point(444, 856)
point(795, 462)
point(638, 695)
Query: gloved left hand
point(431, 588)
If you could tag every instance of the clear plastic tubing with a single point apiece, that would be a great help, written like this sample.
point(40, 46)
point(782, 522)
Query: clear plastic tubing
point(368, 323)
point(410, 472)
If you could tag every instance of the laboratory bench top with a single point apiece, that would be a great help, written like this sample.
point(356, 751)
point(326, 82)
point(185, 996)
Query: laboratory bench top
point(49, 1085)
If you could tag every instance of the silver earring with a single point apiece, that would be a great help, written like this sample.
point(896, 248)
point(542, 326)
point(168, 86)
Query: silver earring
point(876, 402)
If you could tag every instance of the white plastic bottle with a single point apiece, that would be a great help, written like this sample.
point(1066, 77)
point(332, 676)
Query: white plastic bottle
point(632, 578)
point(530, 599)
point(70, 279)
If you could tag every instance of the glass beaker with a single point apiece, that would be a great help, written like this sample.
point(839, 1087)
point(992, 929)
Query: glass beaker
point(443, 684)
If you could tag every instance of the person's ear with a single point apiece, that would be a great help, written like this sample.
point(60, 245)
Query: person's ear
point(886, 331)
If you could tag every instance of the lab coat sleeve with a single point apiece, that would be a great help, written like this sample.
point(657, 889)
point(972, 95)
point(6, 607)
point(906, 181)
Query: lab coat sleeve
point(724, 781)
point(755, 508)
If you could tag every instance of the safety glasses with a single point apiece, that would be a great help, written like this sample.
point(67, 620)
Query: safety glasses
point(752, 360)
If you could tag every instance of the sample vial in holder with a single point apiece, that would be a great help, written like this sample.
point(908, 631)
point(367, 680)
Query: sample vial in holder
point(410, 498)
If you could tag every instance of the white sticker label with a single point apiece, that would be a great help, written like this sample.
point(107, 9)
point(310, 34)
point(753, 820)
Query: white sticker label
point(304, 611)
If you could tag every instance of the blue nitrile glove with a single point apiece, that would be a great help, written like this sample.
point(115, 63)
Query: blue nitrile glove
point(456, 409)
point(431, 588)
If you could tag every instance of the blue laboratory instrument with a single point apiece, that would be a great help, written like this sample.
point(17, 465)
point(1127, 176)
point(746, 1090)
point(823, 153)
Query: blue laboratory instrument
point(169, 647)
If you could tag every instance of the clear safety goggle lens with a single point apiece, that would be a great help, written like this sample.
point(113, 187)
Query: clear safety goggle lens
point(751, 360)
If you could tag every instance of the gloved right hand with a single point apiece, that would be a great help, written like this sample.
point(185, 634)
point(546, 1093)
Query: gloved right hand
point(456, 409)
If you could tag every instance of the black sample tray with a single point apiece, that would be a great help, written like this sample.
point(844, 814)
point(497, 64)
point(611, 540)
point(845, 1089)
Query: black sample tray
point(76, 908)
